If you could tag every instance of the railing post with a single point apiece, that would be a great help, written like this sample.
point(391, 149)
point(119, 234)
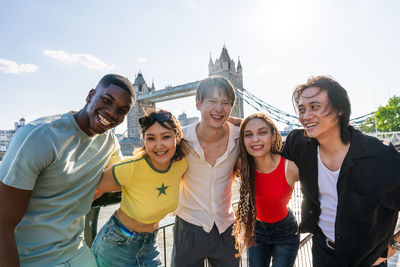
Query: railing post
point(165, 248)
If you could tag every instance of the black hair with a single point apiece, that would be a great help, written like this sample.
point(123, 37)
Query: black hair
point(338, 101)
point(119, 81)
point(172, 124)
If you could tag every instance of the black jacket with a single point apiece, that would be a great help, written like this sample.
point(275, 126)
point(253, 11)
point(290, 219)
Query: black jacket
point(368, 195)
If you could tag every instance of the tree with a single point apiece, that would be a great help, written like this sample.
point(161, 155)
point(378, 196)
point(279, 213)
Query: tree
point(387, 118)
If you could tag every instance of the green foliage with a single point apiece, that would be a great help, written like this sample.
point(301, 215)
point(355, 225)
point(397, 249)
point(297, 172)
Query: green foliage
point(369, 125)
point(387, 118)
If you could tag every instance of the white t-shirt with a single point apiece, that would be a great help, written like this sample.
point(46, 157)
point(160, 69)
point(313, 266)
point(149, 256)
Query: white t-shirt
point(327, 184)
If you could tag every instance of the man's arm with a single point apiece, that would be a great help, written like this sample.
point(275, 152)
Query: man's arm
point(13, 205)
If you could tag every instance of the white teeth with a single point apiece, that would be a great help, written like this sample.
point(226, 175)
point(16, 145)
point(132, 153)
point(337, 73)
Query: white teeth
point(311, 125)
point(161, 153)
point(217, 117)
point(104, 121)
point(257, 146)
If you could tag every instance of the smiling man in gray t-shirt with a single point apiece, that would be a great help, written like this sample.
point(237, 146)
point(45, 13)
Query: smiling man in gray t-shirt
point(49, 175)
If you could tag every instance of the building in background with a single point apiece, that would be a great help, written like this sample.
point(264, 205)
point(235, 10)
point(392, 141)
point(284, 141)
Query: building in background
point(184, 120)
point(225, 66)
point(6, 135)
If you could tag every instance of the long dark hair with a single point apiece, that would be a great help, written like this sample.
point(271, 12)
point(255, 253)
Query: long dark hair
point(246, 214)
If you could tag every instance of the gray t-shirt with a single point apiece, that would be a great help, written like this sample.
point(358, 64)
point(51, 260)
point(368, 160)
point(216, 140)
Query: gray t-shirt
point(62, 165)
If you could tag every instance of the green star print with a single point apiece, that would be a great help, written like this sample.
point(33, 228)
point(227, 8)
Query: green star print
point(162, 189)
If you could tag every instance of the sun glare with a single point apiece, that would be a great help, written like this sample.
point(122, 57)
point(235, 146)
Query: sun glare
point(284, 19)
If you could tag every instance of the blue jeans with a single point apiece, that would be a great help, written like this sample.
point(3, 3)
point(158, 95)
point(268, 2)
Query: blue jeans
point(116, 245)
point(279, 241)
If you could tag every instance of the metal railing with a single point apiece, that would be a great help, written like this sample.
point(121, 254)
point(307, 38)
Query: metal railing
point(165, 228)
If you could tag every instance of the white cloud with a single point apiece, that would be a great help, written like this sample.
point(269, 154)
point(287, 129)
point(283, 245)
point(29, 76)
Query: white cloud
point(87, 60)
point(142, 59)
point(8, 66)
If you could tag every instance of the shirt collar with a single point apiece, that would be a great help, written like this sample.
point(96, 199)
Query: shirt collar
point(189, 134)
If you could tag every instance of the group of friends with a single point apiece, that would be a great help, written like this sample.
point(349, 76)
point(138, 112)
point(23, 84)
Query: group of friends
point(55, 166)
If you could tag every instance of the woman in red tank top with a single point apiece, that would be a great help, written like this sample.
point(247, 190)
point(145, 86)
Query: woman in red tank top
point(263, 222)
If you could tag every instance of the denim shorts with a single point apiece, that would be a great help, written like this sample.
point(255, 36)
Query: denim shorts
point(116, 245)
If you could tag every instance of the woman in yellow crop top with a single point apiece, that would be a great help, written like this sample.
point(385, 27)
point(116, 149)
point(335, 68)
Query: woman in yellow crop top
point(149, 182)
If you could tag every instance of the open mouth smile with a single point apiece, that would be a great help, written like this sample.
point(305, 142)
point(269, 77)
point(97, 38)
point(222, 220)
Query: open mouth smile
point(217, 117)
point(161, 153)
point(256, 147)
point(310, 125)
point(104, 121)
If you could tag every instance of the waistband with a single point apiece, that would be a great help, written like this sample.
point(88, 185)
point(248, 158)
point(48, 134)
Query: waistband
point(328, 242)
point(129, 232)
point(288, 217)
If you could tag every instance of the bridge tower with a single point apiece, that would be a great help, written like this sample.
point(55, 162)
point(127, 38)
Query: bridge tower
point(138, 110)
point(225, 66)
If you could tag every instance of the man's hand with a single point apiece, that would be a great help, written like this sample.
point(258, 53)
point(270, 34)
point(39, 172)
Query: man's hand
point(391, 252)
point(235, 121)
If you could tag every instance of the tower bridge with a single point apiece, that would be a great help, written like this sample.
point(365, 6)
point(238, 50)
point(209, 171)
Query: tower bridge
point(147, 97)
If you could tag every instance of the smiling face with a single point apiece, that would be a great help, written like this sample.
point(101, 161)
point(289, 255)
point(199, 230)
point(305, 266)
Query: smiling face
point(160, 145)
point(105, 109)
point(314, 114)
point(258, 138)
point(215, 108)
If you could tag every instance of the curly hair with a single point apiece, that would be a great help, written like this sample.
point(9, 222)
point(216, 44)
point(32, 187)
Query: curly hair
point(246, 213)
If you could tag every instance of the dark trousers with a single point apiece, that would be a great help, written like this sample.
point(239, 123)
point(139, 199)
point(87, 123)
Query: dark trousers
point(277, 241)
point(192, 245)
point(323, 256)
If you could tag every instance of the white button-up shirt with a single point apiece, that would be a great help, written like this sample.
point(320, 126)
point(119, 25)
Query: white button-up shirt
point(205, 191)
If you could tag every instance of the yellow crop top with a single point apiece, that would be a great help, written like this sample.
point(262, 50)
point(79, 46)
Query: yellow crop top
point(148, 194)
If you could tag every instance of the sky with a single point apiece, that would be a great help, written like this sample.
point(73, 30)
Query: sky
point(52, 52)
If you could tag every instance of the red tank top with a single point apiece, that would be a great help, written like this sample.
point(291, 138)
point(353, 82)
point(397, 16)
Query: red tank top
point(272, 194)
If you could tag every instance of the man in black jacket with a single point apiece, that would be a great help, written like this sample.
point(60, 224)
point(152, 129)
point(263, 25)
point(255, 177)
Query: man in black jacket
point(350, 181)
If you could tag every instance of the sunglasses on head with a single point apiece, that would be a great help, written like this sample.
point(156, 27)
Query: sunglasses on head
point(160, 117)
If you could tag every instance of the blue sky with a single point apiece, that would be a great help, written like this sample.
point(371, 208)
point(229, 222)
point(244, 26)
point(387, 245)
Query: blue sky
point(53, 52)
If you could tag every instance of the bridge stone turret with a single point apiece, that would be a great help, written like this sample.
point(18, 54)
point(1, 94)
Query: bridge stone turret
point(133, 139)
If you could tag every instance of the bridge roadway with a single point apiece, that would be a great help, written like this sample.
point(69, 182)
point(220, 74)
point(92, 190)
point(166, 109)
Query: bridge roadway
point(170, 93)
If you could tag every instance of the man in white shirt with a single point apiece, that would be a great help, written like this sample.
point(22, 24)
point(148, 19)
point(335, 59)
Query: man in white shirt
point(203, 225)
